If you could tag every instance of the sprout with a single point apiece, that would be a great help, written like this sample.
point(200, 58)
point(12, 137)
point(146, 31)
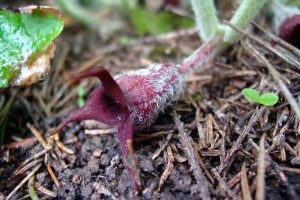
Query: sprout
point(266, 99)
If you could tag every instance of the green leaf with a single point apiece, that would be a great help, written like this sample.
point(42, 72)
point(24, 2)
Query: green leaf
point(268, 99)
point(251, 94)
point(25, 37)
point(146, 21)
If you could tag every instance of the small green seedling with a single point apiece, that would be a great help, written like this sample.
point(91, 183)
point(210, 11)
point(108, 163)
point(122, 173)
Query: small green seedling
point(266, 99)
point(80, 93)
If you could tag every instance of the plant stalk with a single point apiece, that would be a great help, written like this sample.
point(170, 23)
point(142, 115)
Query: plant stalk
point(204, 53)
point(206, 18)
point(242, 18)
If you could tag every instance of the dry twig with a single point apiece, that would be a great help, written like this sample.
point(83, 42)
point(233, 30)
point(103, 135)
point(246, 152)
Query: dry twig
point(163, 146)
point(168, 169)
point(24, 181)
point(244, 183)
point(278, 40)
point(276, 76)
point(190, 152)
point(44, 190)
point(236, 146)
point(52, 175)
point(271, 69)
point(285, 57)
point(38, 135)
point(260, 177)
point(223, 185)
point(290, 189)
point(100, 131)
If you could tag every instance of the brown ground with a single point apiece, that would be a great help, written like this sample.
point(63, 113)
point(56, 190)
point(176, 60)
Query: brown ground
point(236, 149)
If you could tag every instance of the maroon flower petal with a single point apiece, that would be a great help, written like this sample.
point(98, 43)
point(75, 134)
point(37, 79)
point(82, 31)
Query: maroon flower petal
point(108, 105)
point(289, 30)
point(128, 156)
point(99, 106)
point(111, 88)
point(173, 2)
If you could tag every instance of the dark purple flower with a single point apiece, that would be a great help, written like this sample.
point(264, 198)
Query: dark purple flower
point(131, 99)
point(289, 30)
point(134, 99)
point(286, 22)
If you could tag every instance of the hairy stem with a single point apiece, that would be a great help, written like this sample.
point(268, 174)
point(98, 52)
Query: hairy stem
point(206, 18)
point(207, 51)
point(243, 16)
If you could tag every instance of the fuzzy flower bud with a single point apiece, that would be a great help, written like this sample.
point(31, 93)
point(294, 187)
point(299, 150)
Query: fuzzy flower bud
point(148, 91)
point(286, 22)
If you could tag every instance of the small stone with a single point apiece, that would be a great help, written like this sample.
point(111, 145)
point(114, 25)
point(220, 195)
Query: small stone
point(110, 173)
point(97, 153)
point(167, 195)
point(77, 178)
point(40, 177)
point(146, 165)
point(148, 192)
point(86, 191)
point(95, 196)
point(104, 160)
point(93, 164)
point(124, 182)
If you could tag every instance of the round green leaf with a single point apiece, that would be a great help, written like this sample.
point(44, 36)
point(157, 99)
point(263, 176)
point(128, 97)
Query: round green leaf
point(268, 99)
point(251, 94)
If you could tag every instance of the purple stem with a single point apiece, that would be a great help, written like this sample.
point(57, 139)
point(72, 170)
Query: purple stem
point(200, 56)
